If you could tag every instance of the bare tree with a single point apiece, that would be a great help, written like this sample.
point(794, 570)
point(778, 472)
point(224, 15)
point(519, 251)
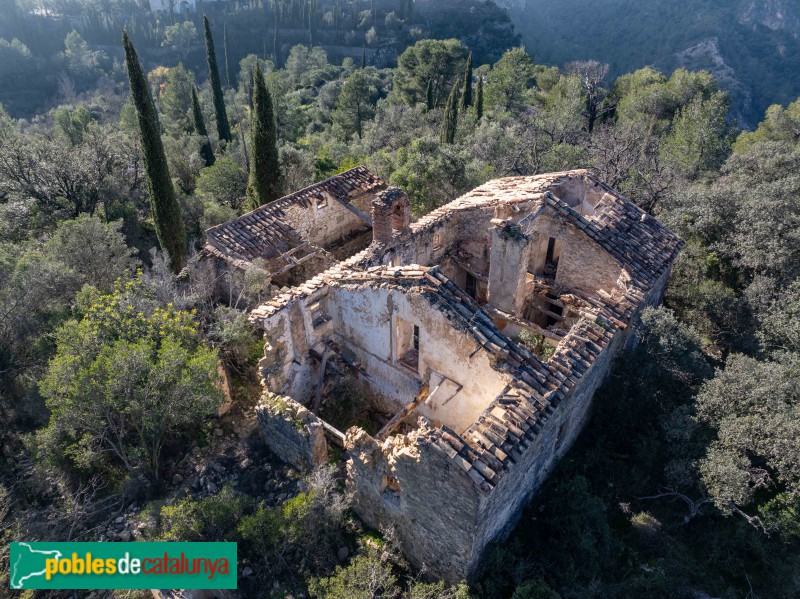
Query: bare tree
point(628, 157)
point(591, 73)
point(86, 508)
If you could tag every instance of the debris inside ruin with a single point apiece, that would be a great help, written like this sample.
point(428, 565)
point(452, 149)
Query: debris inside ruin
point(454, 358)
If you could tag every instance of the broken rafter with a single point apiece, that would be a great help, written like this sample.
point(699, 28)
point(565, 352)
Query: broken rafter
point(320, 379)
point(390, 426)
point(558, 317)
point(366, 218)
point(532, 326)
point(548, 284)
point(334, 434)
point(550, 300)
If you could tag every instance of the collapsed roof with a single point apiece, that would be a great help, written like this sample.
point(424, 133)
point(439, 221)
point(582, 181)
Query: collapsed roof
point(271, 231)
point(642, 248)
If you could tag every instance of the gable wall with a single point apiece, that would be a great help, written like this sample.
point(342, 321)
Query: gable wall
point(322, 226)
point(582, 265)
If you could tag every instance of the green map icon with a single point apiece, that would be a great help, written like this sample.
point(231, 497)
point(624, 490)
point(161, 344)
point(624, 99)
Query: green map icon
point(28, 563)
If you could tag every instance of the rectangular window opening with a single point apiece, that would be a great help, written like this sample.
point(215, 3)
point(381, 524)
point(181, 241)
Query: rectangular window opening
point(408, 344)
point(471, 286)
point(318, 312)
point(552, 257)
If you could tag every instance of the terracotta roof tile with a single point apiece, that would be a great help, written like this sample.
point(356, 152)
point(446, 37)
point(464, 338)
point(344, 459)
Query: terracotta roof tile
point(264, 233)
point(490, 446)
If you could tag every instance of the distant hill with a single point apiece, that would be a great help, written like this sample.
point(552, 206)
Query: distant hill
point(752, 46)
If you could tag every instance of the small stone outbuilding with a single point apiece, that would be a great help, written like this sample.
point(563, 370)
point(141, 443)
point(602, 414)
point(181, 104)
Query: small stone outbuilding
point(301, 234)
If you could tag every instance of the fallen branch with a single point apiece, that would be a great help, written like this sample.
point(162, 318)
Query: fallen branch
point(693, 505)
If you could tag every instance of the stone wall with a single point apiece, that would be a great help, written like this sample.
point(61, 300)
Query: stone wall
point(289, 335)
point(322, 225)
point(391, 214)
point(410, 486)
point(366, 321)
point(509, 256)
point(582, 264)
point(500, 510)
point(291, 431)
point(579, 193)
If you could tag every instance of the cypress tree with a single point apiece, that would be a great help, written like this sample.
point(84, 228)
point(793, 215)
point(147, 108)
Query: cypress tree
point(429, 95)
point(166, 212)
point(312, 23)
point(199, 126)
point(450, 117)
point(363, 57)
point(275, 49)
point(223, 127)
point(479, 99)
point(263, 182)
point(466, 98)
point(225, 50)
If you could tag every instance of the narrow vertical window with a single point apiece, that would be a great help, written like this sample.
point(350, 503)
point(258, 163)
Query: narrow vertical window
point(471, 286)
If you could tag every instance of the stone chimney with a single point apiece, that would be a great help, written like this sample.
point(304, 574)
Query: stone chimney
point(391, 215)
point(508, 265)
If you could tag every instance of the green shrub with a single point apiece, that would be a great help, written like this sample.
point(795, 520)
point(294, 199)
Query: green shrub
point(213, 518)
point(536, 344)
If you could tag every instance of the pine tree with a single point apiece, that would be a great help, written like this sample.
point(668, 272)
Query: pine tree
point(429, 95)
point(450, 117)
point(479, 99)
point(166, 212)
point(466, 98)
point(199, 127)
point(223, 127)
point(263, 184)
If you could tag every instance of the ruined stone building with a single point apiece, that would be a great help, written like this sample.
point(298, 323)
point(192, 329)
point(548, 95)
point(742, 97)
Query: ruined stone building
point(478, 333)
point(301, 234)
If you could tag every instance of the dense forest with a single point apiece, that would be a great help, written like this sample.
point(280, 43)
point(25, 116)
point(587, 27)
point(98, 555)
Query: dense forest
point(751, 46)
point(34, 36)
point(686, 482)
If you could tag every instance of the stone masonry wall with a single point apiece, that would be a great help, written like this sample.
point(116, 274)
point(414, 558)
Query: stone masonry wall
point(582, 264)
point(366, 321)
point(291, 431)
point(410, 486)
point(509, 256)
point(500, 510)
point(325, 225)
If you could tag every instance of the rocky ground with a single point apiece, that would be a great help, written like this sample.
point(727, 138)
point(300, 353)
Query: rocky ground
point(235, 455)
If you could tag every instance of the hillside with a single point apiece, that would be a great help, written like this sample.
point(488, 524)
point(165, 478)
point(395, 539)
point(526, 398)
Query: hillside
point(323, 232)
point(33, 42)
point(751, 46)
